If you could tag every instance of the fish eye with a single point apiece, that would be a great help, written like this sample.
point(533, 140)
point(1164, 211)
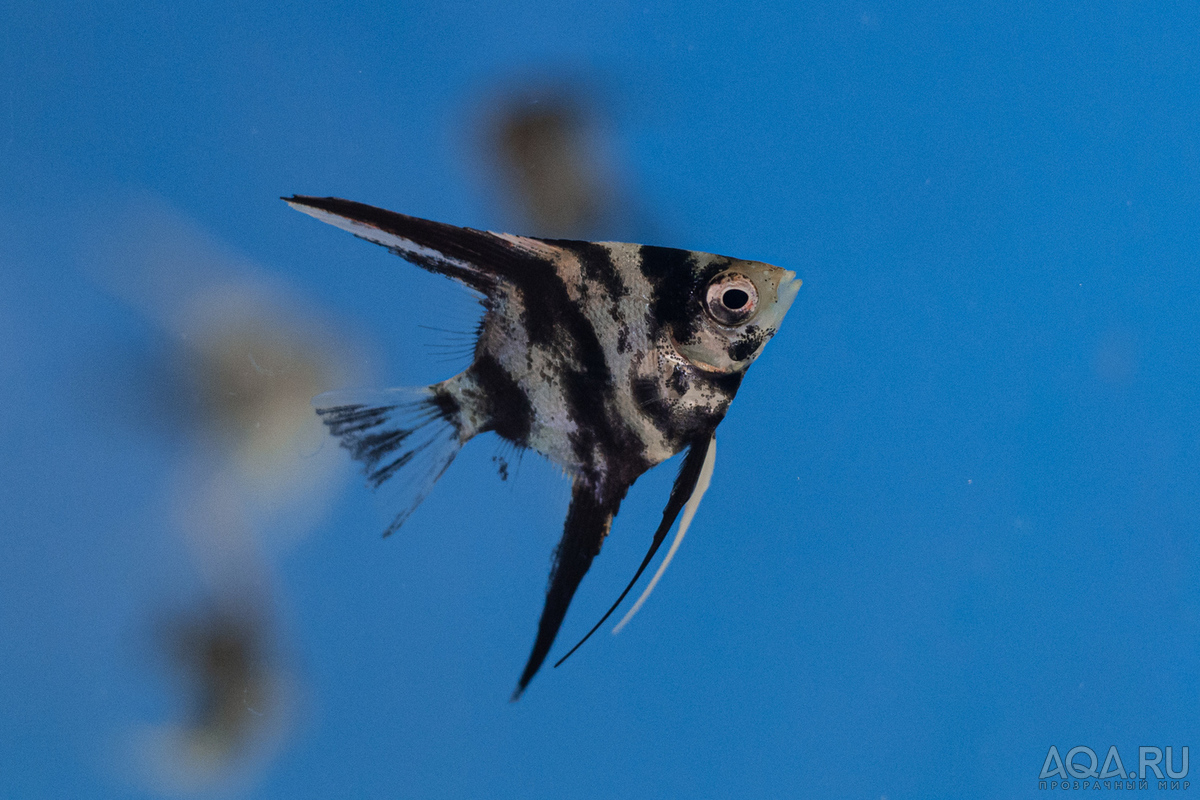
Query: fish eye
point(731, 299)
point(734, 299)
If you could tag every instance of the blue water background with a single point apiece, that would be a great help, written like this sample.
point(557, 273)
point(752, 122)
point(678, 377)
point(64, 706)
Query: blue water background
point(956, 505)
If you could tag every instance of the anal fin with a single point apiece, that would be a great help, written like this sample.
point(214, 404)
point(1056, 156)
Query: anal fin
point(588, 522)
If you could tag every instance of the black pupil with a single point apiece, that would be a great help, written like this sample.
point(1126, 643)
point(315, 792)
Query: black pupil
point(735, 299)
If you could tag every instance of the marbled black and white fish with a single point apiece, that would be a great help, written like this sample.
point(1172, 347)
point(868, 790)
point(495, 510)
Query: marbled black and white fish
point(606, 358)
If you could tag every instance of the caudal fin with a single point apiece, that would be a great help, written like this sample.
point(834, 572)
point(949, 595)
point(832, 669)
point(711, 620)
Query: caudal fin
point(405, 438)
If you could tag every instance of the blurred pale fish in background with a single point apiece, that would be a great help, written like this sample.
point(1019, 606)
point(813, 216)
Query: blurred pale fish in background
point(245, 354)
point(243, 360)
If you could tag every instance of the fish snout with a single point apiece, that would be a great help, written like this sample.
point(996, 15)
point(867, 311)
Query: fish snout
point(789, 286)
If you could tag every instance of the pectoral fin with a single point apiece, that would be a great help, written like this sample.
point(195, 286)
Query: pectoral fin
point(686, 483)
point(689, 511)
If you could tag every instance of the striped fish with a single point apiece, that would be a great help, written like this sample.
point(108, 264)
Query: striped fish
point(607, 358)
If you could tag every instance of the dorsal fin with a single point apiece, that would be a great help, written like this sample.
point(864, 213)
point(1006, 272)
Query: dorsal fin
point(588, 521)
point(478, 259)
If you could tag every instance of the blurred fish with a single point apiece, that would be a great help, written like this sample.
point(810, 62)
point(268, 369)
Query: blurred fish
point(224, 657)
point(237, 357)
point(239, 696)
point(546, 152)
point(606, 358)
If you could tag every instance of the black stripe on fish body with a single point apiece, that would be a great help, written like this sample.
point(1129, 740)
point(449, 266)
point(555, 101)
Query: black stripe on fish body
point(550, 317)
point(608, 451)
point(677, 277)
point(657, 395)
point(559, 325)
point(664, 403)
point(600, 269)
point(553, 319)
point(671, 273)
point(543, 298)
point(649, 396)
point(605, 447)
point(597, 266)
point(507, 406)
point(445, 403)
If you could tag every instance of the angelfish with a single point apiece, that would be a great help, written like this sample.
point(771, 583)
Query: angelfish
point(607, 358)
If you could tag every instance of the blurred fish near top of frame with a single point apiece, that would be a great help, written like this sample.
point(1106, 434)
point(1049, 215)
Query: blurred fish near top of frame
point(607, 358)
point(546, 146)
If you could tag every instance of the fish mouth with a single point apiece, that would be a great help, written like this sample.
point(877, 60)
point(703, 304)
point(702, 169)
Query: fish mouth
point(789, 286)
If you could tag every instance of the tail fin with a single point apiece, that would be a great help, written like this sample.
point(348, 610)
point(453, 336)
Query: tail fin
point(408, 434)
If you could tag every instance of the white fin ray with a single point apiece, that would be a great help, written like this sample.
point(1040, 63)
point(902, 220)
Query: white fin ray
point(392, 241)
point(689, 511)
